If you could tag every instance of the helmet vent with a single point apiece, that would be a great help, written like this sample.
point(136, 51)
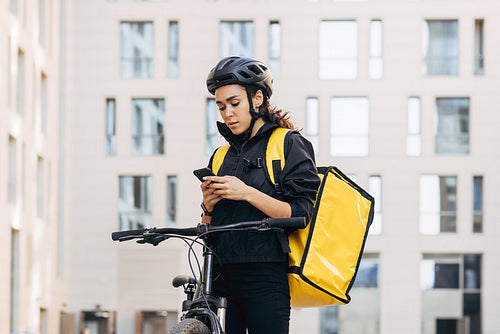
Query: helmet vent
point(224, 78)
point(244, 74)
point(227, 63)
point(255, 69)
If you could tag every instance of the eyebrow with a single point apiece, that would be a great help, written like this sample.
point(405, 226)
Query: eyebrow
point(228, 99)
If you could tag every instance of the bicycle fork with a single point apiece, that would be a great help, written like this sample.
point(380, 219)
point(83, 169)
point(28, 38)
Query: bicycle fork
point(206, 287)
point(201, 302)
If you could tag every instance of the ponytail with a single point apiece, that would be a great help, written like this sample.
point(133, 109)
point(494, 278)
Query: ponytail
point(277, 116)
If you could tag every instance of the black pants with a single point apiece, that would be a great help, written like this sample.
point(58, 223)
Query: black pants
point(258, 297)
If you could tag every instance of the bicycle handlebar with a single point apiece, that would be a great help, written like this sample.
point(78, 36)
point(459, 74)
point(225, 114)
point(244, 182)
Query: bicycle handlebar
point(267, 223)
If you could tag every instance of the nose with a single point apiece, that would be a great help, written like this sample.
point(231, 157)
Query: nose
point(229, 111)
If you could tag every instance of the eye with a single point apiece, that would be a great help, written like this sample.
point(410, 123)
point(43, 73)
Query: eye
point(222, 108)
point(235, 104)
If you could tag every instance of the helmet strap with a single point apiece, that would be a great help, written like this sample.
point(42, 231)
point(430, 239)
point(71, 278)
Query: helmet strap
point(235, 140)
point(239, 140)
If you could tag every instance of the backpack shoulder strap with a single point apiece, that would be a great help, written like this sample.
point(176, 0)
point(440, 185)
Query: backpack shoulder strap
point(275, 156)
point(219, 156)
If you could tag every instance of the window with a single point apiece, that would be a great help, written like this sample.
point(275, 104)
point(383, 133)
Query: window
point(440, 273)
point(110, 127)
point(148, 124)
point(414, 136)
point(15, 279)
point(211, 128)
point(451, 285)
point(171, 200)
point(44, 321)
point(97, 321)
point(367, 276)
point(274, 48)
point(156, 322)
point(20, 82)
point(349, 126)
point(338, 49)
point(137, 49)
point(479, 47)
point(41, 22)
point(376, 65)
point(375, 189)
point(173, 49)
point(440, 47)
point(23, 175)
point(312, 121)
point(438, 204)
point(329, 320)
point(40, 186)
point(477, 226)
point(43, 102)
point(135, 202)
point(451, 272)
point(472, 291)
point(452, 128)
point(364, 308)
point(236, 39)
point(444, 326)
point(12, 170)
point(14, 5)
point(9, 72)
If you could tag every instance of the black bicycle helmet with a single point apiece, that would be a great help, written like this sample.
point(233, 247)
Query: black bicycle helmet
point(242, 71)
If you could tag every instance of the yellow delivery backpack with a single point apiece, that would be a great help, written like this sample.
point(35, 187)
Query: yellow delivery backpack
point(324, 256)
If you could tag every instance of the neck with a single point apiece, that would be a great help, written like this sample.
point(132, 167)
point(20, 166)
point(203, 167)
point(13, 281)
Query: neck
point(258, 124)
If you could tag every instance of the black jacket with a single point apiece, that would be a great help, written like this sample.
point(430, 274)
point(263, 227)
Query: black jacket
point(299, 180)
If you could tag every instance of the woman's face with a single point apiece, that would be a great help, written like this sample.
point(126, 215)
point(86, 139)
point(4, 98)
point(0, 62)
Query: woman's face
point(233, 106)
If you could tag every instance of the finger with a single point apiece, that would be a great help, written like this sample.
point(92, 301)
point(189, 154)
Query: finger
point(218, 185)
point(219, 179)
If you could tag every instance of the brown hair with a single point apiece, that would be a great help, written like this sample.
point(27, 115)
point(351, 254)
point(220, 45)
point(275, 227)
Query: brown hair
point(273, 114)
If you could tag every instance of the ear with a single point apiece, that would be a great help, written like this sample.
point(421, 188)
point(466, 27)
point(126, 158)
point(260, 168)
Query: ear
point(258, 99)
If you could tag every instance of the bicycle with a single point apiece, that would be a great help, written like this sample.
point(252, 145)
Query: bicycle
point(203, 313)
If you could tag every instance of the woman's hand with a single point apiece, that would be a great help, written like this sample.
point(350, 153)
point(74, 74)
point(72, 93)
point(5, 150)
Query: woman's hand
point(209, 196)
point(229, 187)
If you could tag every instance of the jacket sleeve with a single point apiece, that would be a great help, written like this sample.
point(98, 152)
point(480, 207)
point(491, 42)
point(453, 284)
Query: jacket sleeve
point(299, 178)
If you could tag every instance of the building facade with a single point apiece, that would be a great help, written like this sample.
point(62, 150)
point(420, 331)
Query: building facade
point(32, 238)
point(400, 95)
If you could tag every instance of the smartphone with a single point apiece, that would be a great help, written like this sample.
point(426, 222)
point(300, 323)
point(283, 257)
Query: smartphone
point(202, 172)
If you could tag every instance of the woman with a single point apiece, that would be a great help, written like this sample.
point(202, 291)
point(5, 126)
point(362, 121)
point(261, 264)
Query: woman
point(254, 264)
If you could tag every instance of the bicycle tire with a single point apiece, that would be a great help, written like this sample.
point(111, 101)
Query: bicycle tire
point(190, 326)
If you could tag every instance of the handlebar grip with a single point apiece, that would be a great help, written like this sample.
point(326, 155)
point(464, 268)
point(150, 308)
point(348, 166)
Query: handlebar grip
point(117, 235)
point(295, 222)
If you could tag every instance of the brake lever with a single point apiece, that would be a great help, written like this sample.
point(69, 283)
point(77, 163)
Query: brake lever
point(152, 238)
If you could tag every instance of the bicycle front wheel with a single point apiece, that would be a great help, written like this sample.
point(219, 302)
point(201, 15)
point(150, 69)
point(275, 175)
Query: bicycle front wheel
point(190, 326)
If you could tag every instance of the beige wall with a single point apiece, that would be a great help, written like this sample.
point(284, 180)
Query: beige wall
point(42, 283)
point(124, 277)
point(400, 247)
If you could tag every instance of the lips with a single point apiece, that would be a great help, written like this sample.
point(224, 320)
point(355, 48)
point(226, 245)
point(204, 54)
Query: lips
point(232, 124)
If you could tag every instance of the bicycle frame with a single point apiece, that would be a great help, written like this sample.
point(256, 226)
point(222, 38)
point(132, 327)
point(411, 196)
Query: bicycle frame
point(200, 304)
